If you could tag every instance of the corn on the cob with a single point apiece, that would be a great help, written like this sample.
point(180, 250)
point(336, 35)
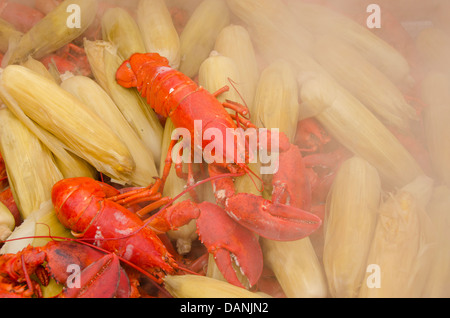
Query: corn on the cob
point(436, 94)
point(399, 244)
point(374, 89)
point(199, 34)
point(234, 41)
point(194, 286)
point(438, 280)
point(173, 187)
point(8, 34)
point(7, 222)
point(157, 29)
point(433, 46)
point(218, 71)
point(56, 29)
point(31, 169)
point(276, 99)
point(38, 67)
point(350, 221)
point(81, 130)
point(296, 266)
point(320, 20)
point(105, 62)
point(119, 28)
point(93, 96)
point(355, 127)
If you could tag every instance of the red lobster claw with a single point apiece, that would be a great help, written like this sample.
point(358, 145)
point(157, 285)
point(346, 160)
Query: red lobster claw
point(274, 221)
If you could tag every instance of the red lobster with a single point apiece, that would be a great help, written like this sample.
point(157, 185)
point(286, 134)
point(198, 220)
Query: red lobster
point(172, 94)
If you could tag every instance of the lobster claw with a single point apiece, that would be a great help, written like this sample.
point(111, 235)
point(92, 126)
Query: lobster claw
point(274, 221)
point(228, 241)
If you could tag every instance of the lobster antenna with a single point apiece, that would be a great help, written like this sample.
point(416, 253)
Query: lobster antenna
point(250, 172)
point(232, 83)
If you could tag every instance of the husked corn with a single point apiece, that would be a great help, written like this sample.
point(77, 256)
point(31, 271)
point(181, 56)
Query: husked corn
point(31, 169)
point(196, 286)
point(234, 42)
point(350, 220)
point(56, 29)
point(198, 36)
point(8, 35)
point(93, 96)
point(119, 28)
point(81, 130)
point(7, 222)
point(158, 31)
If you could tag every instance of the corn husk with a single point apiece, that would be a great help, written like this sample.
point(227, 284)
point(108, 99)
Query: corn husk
point(356, 128)
point(81, 130)
point(93, 96)
point(276, 99)
point(198, 37)
point(374, 89)
point(218, 71)
point(119, 28)
point(400, 245)
point(194, 286)
point(55, 30)
point(351, 215)
point(104, 62)
point(435, 93)
point(31, 169)
point(438, 280)
point(433, 46)
point(158, 31)
point(296, 266)
point(234, 42)
point(173, 187)
point(320, 20)
point(7, 34)
point(39, 68)
point(7, 222)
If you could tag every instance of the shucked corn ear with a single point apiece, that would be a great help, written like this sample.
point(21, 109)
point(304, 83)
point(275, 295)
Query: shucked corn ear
point(374, 89)
point(198, 36)
point(93, 96)
point(438, 281)
point(196, 286)
point(119, 28)
point(81, 130)
point(350, 220)
point(62, 25)
point(276, 99)
point(320, 20)
point(104, 62)
point(31, 169)
point(355, 127)
point(398, 254)
point(158, 31)
point(436, 94)
point(7, 222)
point(234, 42)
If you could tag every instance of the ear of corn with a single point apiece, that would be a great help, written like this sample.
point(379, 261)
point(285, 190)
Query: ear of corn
point(194, 286)
point(119, 28)
point(7, 222)
point(199, 34)
point(438, 281)
point(81, 130)
point(105, 62)
point(356, 128)
point(93, 96)
point(349, 224)
point(374, 89)
point(436, 94)
point(7, 34)
point(433, 46)
point(39, 68)
point(276, 99)
point(234, 42)
point(31, 169)
point(157, 29)
point(400, 244)
point(320, 20)
point(55, 30)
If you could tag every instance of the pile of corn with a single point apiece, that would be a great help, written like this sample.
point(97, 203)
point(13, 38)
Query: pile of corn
point(385, 229)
